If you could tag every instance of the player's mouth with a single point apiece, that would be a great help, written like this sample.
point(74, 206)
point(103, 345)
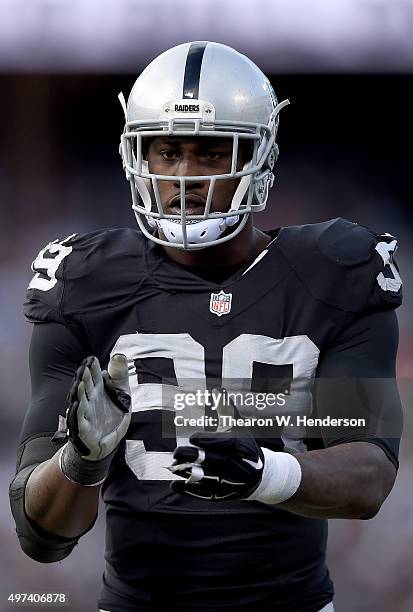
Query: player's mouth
point(194, 205)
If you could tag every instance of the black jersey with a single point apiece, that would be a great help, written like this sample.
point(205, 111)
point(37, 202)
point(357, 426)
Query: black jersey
point(271, 320)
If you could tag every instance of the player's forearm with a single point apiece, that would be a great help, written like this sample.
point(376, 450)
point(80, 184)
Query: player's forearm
point(58, 505)
point(345, 481)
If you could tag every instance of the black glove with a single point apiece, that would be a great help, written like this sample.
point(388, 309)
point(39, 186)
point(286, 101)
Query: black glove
point(219, 466)
point(229, 464)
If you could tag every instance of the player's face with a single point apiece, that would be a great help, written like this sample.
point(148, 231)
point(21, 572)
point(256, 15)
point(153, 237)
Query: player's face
point(175, 156)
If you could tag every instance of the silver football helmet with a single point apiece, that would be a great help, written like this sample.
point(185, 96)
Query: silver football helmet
point(200, 89)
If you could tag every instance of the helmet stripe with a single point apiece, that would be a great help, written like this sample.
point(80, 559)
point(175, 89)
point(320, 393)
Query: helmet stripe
point(193, 70)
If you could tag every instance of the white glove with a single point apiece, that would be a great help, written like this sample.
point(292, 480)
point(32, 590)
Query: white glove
point(97, 418)
point(102, 420)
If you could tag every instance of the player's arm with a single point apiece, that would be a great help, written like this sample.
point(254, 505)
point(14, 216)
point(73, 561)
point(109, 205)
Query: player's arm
point(347, 481)
point(353, 475)
point(56, 504)
point(54, 496)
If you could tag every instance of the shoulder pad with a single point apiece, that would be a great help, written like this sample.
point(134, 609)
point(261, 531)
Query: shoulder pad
point(344, 264)
point(82, 271)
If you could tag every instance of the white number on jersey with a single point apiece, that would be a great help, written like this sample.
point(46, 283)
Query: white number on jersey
point(189, 364)
point(47, 263)
point(386, 251)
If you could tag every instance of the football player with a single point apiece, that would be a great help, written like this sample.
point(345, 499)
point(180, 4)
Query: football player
point(221, 517)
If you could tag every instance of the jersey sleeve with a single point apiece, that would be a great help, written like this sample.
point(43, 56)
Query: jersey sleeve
point(54, 356)
point(344, 264)
point(356, 381)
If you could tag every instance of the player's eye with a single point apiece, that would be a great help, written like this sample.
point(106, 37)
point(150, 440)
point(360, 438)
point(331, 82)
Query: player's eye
point(168, 154)
point(213, 155)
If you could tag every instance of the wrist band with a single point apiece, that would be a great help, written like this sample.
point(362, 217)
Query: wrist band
point(81, 471)
point(280, 479)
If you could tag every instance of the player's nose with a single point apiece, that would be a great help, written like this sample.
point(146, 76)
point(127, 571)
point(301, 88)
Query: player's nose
point(188, 165)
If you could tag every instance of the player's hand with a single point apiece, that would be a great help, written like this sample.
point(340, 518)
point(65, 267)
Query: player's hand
point(226, 464)
point(229, 464)
point(97, 417)
point(218, 467)
point(98, 407)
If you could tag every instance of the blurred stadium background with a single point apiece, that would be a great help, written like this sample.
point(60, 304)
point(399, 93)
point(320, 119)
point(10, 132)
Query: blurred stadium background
point(346, 150)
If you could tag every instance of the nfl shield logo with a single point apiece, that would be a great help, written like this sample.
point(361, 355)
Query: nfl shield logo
point(220, 303)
